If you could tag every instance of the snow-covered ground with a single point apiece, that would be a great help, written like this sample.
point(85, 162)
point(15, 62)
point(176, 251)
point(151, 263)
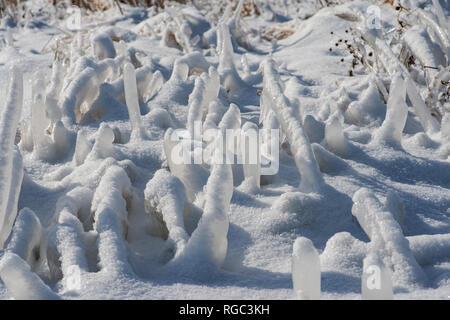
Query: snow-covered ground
point(94, 205)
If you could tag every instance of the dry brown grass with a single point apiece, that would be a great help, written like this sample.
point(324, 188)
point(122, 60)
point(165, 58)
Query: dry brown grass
point(277, 33)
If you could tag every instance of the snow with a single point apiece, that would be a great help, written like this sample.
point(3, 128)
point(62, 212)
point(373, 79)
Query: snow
point(110, 136)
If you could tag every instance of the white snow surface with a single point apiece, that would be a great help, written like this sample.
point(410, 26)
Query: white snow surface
point(90, 187)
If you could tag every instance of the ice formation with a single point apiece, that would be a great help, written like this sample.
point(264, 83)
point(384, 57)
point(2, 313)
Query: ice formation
point(393, 65)
point(208, 242)
point(10, 167)
point(311, 178)
point(165, 193)
point(305, 270)
point(386, 236)
point(26, 237)
point(111, 216)
point(21, 282)
point(153, 203)
point(250, 153)
point(391, 130)
point(131, 96)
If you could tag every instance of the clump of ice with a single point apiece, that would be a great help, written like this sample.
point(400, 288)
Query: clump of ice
point(306, 270)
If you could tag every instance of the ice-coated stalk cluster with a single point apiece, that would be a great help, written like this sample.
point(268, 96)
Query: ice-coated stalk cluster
point(391, 63)
point(131, 97)
point(208, 242)
point(66, 242)
point(10, 165)
point(111, 219)
point(311, 178)
point(205, 91)
point(166, 193)
point(305, 270)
